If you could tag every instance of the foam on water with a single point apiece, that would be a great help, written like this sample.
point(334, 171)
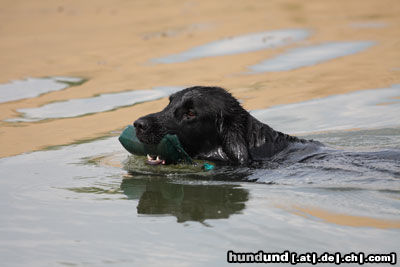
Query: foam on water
point(84, 106)
point(310, 55)
point(33, 87)
point(238, 44)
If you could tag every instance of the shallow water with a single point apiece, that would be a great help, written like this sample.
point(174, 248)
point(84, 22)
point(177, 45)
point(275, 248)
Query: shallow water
point(238, 44)
point(100, 103)
point(310, 55)
point(94, 199)
point(33, 87)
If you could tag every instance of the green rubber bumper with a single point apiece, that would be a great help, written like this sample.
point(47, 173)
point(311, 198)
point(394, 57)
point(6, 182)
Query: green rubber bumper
point(169, 148)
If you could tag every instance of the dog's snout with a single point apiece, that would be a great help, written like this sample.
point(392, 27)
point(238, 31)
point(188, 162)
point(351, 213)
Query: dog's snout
point(148, 130)
point(141, 124)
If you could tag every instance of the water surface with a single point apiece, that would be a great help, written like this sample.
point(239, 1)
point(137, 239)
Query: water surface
point(238, 44)
point(33, 87)
point(94, 204)
point(76, 206)
point(375, 108)
point(368, 25)
point(310, 55)
point(85, 106)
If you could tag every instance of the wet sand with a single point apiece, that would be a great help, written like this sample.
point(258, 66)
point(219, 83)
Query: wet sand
point(112, 45)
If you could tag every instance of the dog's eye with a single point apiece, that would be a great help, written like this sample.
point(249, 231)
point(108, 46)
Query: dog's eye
point(190, 114)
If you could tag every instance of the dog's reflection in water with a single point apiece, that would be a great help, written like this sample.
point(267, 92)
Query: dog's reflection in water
point(187, 202)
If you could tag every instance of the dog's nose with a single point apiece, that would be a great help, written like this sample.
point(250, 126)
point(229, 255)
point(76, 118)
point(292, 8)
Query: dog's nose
point(141, 124)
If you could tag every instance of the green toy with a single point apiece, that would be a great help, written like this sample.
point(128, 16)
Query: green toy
point(168, 151)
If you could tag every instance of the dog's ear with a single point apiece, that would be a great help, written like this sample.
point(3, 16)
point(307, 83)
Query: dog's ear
point(233, 140)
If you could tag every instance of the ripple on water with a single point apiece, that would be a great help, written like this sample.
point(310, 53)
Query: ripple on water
point(238, 44)
point(375, 108)
point(83, 106)
point(310, 55)
point(33, 87)
point(74, 197)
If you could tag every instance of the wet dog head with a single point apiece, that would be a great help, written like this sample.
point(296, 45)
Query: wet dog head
point(205, 119)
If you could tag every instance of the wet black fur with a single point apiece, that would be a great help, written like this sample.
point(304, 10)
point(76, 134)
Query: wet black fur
point(211, 124)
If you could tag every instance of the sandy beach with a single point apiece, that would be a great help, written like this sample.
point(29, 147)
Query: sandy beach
point(112, 45)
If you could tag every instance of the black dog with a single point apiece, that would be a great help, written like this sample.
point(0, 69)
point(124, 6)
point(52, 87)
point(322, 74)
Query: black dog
point(211, 124)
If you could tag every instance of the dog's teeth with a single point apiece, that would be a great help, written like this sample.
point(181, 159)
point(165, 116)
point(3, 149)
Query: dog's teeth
point(148, 157)
point(158, 158)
